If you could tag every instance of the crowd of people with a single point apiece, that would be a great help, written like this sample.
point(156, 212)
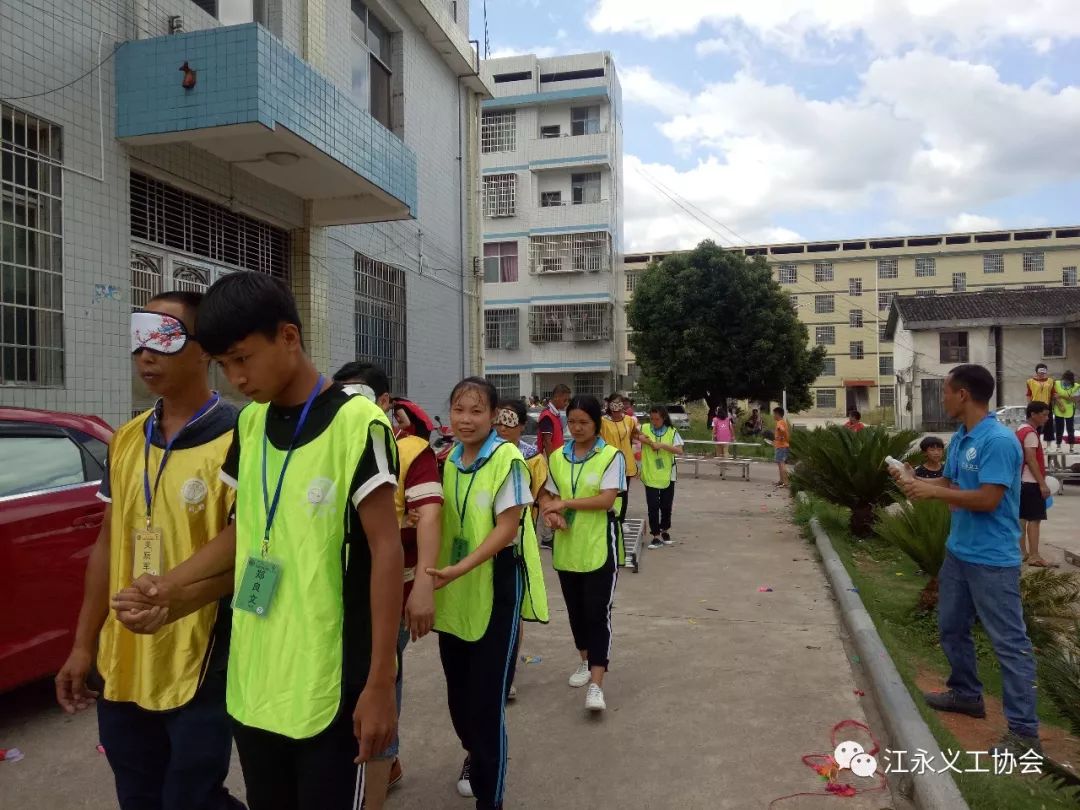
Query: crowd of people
point(260, 572)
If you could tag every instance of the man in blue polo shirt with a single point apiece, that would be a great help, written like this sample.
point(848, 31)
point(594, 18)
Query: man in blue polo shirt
point(981, 573)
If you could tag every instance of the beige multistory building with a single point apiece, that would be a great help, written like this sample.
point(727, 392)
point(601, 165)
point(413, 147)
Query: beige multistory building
point(842, 290)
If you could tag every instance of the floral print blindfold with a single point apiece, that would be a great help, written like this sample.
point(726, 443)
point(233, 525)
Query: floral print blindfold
point(158, 333)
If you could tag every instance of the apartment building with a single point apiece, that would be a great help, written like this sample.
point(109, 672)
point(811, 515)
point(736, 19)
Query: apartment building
point(843, 290)
point(551, 174)
point(158, 144)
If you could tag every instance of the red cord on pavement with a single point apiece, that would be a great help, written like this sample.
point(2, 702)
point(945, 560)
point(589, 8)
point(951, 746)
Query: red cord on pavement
point(828, 769)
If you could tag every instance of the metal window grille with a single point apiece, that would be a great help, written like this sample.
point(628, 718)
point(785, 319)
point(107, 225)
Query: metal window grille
point(501, 328)
point(1053, 341)
point(825, 397)
point(794, 299)
point(885, 365)
point(884, 300)
point(380, 319)
point(828, 368)
point(1068, 276)
point(499, 193)
point(550, 199)
point(498, 131)
point(553, 323)
point(881, 329)
point(887, 396)
point(855, 318)
point(926, 292)
point(31, 251)
point(507, 385)
point(823, 271)
point(571, 252)
point(1034, 261)
point(632, 280)
point(824, 335)
point(167, 216)
point(594, 384)
point(854, 286)
point(959, 282)
point(855, 350)
point(925, 266)
point(788, 273)
point(824, 304)
point(993, 262)
point(888, 268)
point(1034, 286)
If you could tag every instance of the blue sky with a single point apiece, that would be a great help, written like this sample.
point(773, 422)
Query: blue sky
point(816, 119)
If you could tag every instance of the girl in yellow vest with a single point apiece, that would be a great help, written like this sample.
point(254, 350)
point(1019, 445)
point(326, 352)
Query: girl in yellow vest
point(660, 443)
point(488, 577)
point(585, 478)
point(1040, 388)
point(619, 429)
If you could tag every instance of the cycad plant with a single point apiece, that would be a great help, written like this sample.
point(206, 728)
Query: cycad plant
point(1051, 601)
point(919, 529)
point(1059, 678)
point(848, 468)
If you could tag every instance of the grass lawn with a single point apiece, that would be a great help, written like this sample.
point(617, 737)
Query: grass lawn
point(889, 584)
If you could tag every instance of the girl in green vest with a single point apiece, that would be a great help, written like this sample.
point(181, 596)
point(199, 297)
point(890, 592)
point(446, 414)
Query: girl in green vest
point(660, 443)
point(1066, 390)
point(585, 477)
point(488, 576)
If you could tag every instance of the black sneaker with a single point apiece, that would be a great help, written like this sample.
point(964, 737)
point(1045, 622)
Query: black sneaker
point(951, 702)
point(656, 543)
point(665, 538)
point(464, 784)
point(1018, 745)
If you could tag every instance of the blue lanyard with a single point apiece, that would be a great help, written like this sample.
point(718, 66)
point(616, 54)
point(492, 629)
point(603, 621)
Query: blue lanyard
point(581, 468)
point(268, 505)
point(149, 494)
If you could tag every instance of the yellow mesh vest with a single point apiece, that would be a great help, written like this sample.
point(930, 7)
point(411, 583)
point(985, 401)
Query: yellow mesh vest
point(409, 447)
point(161, 671)
point(584, 545)
point(618, 435)
point(657, 476)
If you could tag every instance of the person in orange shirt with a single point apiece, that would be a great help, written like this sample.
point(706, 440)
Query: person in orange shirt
point(781, 445)
point(854, 422)
point(620, 429)
point(1040, 388)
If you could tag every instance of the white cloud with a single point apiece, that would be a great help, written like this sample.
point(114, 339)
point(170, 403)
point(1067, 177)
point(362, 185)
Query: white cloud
point(542, 52)
point(886, 24)
point(973, 222)
point(923, 139)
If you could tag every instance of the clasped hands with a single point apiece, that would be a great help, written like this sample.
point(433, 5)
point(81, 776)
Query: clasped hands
point(143, 606)
point(554, 514)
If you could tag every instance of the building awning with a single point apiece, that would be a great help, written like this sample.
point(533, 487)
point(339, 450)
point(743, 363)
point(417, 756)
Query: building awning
point(859, 383)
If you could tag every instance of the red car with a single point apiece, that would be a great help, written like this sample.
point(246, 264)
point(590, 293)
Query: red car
point(51, 465)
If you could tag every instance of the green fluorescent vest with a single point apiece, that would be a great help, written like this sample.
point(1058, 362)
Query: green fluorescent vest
point(463, 608)
point(285, 668)
point(653, 474)
point(1068, 392)
point(585, 544)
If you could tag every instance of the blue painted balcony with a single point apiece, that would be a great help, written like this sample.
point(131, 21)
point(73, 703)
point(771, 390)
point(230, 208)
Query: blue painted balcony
point(259, 106)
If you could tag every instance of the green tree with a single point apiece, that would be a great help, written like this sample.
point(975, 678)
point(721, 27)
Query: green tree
point(714, 325)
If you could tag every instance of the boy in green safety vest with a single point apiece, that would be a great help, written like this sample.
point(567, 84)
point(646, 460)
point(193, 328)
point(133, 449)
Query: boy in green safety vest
point(489, 575)
point(660, 443)
point(1066, 390)
point(584, 480)
point(316, 555)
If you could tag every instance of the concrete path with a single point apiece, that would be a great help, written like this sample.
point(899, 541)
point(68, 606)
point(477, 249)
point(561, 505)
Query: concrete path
point(716, 690)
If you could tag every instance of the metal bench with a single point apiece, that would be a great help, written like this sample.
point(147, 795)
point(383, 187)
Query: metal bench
point(743, 465)
point(633, 534)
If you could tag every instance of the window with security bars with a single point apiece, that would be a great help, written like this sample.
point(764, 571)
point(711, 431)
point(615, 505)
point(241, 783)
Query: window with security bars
point(959, 282)
point(499, 195)
point(164, 215)
point(881, 329)
point(594, 384)
point(854, 286)
point(1034, 261)
point(828, 368)
point(380, 319)
point(823, 271)
point(31, 251)
point(825, 397)
point(571, 252)
point(498, 131)
point(1053, 342)
point(501, 328)
point(887, 396)
point(885, 365)
point(993, 262)
point(888, 268)
point(855, 350)
point(855, 319)
point(884, 300)
point(794, 300)
point(632, 280)
point(508, 385)
point(824, 335)
point(787, 273)
point(925, 266)
point(1068, 276)
point(555, 323)
point(824, 304)
point(926, 292)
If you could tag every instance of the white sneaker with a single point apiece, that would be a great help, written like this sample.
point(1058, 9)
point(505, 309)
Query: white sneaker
point(464, 786)
point(512, 694)
point(581, 675)
point(594, 698)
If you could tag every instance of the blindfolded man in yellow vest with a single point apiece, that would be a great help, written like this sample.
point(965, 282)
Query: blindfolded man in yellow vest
point(1040, 388)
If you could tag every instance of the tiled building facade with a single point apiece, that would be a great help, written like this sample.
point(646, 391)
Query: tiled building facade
point(843, 289)
point(333, 143)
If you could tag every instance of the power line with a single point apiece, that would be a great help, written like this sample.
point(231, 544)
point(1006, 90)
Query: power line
point(723, 239)
point(76, 80)
point(694, 206)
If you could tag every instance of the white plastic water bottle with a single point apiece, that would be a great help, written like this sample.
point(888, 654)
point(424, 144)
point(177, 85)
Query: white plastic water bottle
point(897, 465)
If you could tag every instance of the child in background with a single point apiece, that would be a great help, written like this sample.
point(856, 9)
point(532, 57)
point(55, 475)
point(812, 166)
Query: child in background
point(781, 445)
point(723, 429)
point(934, 450)
point(660, 443)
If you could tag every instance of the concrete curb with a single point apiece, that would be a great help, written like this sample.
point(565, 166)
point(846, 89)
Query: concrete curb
point(907, 729)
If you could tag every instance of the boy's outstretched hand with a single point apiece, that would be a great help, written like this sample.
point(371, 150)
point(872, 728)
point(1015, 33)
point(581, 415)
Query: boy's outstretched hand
point(374, 720)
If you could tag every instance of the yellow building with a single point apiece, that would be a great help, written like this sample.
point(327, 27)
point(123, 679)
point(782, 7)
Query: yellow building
point(843, 289)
